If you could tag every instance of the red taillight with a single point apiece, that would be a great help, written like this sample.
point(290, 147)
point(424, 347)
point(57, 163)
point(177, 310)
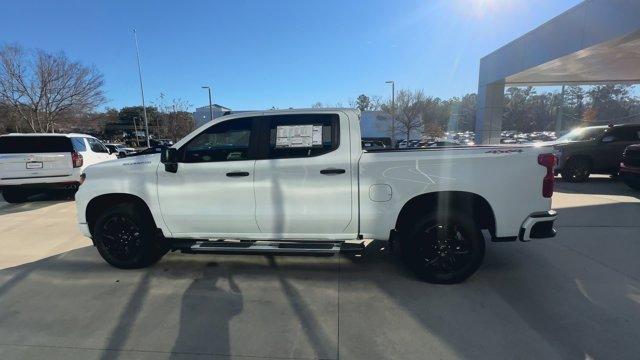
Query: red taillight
point(549, 162)
point(76, 159)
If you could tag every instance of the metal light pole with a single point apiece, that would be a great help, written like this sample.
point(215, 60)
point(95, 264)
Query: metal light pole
point(559, 113)
point(210, 106)
point(144, 108)
point(135, 130)
point(393, 112)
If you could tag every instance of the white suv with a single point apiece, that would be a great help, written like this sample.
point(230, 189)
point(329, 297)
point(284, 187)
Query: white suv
point(34, 162)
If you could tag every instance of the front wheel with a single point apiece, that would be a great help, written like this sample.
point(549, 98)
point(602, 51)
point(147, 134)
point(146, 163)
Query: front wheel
point(444, 249)
point(126, 237)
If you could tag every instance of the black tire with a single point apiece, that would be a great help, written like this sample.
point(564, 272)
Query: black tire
point(126, 238)
point(71, 194)
point(444, 249)
point(577, 170)
point(15, 196)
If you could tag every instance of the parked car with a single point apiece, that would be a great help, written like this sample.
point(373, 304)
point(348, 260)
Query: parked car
point(630, 166)
point(152, 150)
point(160, 142)
point(120, 150)
point(30, 163)
point(594, 150)
point(372, 144)
point(299, 181)
point(443, 143)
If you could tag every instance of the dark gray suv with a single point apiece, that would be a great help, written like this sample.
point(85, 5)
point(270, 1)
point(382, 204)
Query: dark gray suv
point(594, 150)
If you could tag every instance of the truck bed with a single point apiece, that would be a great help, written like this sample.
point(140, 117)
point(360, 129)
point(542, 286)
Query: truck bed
point(498, 173)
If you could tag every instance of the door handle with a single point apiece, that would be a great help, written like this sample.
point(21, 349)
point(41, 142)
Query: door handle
point(332, 171)
point(237, 174)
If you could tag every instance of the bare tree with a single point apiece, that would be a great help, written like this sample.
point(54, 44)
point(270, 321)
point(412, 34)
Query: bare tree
point(41, 87)
point(408, 107)
point(176, 120)
point(363, 102)
point(8, 120)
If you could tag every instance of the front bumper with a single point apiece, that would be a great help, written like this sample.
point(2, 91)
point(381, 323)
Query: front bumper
point(538, 225)
point(84, 229)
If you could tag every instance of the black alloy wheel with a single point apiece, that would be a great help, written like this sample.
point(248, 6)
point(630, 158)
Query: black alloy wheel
point(577, 170)
point(126, 237)
point(444, 249)
point(121, 237)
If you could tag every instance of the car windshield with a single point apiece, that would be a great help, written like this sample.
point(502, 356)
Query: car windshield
point(583, 134)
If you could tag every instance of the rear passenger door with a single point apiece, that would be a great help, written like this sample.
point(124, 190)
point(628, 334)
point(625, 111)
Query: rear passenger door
point(613, 145)
point(303, 178)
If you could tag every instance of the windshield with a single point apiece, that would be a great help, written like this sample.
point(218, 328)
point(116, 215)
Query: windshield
point(583, 134)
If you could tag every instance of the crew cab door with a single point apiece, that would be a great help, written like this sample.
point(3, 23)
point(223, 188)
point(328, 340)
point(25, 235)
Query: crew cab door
point(211, 194)
point(303, 182)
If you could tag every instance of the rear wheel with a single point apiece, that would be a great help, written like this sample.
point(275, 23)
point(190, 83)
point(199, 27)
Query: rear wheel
point(444, 249)
point(15, 195)
point(577, 170)
point(126, 237)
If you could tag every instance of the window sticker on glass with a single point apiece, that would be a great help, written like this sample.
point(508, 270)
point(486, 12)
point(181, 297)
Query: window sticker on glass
point(298, 136)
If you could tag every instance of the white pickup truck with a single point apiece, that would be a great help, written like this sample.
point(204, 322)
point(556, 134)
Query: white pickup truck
point(299, 181)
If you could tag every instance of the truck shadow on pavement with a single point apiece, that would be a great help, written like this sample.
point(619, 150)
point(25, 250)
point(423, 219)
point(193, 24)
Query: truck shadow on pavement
point(34, 202)
point(205, 312)
point(524, 302)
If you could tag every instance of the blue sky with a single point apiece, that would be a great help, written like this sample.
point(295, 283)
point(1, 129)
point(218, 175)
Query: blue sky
point(293, 53)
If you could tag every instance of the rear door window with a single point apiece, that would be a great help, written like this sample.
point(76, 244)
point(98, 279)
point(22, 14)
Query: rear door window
point(302, 135)
point(78, 144)
point(624, 134)
point(34, 144)
point(97, 146)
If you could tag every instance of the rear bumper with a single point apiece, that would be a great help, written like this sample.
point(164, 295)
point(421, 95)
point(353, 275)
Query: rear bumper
point(42, 181)
point(629, 171)
point(66, 185)
point(538, 225)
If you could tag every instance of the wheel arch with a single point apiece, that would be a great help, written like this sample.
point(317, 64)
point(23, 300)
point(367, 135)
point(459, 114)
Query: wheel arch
point(473, 204)
point(100, 203)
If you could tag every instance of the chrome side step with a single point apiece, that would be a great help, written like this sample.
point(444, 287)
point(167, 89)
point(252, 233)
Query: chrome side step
point(269, 247)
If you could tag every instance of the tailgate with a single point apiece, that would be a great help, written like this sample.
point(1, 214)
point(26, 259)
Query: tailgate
point(33, 166)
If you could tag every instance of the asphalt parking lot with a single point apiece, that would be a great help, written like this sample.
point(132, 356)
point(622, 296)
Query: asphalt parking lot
point(575, 296)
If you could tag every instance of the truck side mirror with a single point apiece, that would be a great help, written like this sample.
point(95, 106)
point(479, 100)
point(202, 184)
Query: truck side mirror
point(169, 157)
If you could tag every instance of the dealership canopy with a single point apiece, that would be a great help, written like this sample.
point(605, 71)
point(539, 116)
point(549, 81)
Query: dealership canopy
point(595, 42)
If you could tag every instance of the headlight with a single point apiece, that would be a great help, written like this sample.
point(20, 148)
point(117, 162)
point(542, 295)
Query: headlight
point(83, 176)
